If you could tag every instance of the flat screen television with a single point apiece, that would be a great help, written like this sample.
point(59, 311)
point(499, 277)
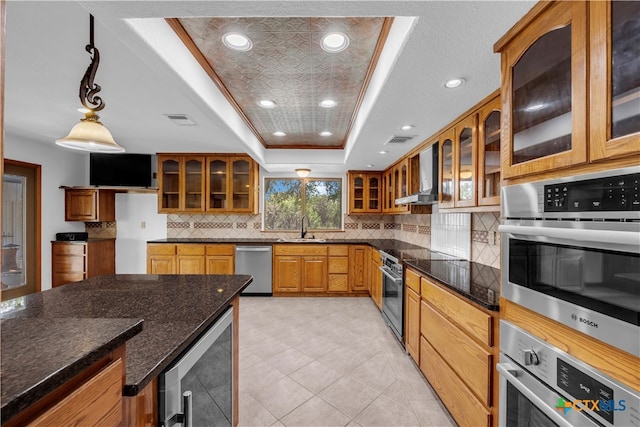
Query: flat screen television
point(120, 170)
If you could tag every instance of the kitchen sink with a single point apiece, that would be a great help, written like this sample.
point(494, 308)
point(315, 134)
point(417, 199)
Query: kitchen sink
point(301, 240)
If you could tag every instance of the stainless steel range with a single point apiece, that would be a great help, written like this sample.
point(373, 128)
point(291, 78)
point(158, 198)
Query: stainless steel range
point(392, 293)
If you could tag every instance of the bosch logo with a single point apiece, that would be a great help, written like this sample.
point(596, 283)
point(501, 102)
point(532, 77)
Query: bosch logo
point(591, 323)
point(574, 317)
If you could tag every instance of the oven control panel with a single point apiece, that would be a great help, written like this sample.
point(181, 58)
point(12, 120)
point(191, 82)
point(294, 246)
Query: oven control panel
point(610, 194)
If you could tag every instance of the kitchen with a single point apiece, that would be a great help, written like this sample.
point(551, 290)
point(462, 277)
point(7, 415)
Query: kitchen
point(478, 240)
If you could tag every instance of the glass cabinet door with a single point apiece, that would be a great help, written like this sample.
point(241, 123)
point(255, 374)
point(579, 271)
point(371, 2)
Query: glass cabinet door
point(357, 197)
point(374, 193)
point(241, 184)
point(194, 184)
point(547, 91)
point(465, 170)
point(217, 190)
point(446, 171)
point(615, 61)
point(170, 184)
point(489, 154)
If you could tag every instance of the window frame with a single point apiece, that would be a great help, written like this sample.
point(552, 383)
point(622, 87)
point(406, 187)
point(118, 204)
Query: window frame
point(303, 202)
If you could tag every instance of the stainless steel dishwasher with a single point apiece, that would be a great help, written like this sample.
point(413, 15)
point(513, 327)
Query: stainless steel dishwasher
point(255, 261)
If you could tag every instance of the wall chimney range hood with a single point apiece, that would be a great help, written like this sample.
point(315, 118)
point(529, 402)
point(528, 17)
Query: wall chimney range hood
point(428, 194)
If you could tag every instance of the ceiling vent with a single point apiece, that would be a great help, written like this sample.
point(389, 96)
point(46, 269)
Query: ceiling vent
point(181, 119)
point(399, 139)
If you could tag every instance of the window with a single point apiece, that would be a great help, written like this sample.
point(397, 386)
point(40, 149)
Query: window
point(286, 200)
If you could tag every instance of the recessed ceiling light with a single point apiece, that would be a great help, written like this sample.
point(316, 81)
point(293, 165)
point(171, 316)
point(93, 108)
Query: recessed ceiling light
point(266, 103)
point(406, 127)
point(279, 133)
point(370, 165)
point(453, 83)
point(325, 133)
point(328, 103)
point(382, 152)
point(335, 42)
point(535, 107)
point(237, 41)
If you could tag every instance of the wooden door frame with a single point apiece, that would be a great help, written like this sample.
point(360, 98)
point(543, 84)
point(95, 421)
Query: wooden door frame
point(38, 216)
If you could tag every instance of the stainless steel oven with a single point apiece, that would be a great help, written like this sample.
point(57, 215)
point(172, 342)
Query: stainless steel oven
point(571, 252)
point(392, 293)
point(540, 385)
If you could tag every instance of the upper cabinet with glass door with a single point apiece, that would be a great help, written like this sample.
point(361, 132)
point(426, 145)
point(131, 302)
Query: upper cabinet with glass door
point(489, 154)
point(207, 183)
point(465, 162)
point(614, 29)
point(445, 192)
point(364, 192)
point(544, 90)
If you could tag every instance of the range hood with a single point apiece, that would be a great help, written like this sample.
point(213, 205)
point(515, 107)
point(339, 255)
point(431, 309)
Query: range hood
point(428, 193)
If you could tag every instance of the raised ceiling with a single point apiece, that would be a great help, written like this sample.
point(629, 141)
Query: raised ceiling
point(287, 65)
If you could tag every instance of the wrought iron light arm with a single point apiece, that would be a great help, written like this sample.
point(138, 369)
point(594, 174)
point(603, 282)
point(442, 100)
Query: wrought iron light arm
point(88, 89)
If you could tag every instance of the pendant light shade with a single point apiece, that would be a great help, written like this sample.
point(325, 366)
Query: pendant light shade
point(90, 134)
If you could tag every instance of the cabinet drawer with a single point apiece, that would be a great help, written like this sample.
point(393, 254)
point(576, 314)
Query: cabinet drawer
point(461, 403)
point(474, 321)
point(464, 355)
point(64, 278)
point(338, 250)
point(304, 249)
point(338, 283)
point(222, 249)
point(190, 249)
point(161, 249)
point(338, 265)
point(69, 264)
point(412, 280)
point(96, 402)
point(69, 248)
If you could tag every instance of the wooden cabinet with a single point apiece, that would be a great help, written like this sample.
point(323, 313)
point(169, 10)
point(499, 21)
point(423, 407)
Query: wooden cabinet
point(365, 191)
point(89, 205)
point(544, 96)
point(300, 268)
point(220, 259)
point(489, 176)
point(458, 164)
point(75, 261)
point(396, 183)
point(412, 314)
point(190, 258)
point(338, 268)
point(388, 186)
point(181, 183)
point(93, 397)
point(455, 346)
point(358, 262)
point(614, 104)
point(375, 278)
point(207, 183)
point(447, 171)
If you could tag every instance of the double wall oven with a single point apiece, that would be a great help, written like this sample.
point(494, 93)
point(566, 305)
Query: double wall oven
point(571, 252)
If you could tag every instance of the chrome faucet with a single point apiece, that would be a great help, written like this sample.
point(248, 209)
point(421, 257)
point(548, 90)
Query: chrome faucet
point(303, 230)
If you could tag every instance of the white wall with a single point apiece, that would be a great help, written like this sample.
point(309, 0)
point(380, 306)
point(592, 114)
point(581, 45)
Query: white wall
point(138, 221)
point(59, 167)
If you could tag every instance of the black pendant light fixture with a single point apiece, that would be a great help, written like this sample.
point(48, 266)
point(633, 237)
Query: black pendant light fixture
point(90, 134)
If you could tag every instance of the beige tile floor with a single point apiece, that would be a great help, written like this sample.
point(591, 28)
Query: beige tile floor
point(327, 362)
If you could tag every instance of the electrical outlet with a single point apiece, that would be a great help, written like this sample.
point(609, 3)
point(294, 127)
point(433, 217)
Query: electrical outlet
point(143, 224)
point(491, 236)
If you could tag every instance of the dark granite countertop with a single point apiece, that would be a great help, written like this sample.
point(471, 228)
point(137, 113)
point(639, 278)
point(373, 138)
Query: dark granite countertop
point(39, 354)
point(381, 244)
point(176, 309)
point(478, 282)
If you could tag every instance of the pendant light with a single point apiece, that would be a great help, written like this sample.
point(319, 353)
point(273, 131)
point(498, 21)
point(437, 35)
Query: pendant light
point(90, 134)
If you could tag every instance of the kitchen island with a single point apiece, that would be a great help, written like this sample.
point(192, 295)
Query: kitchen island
point(159, 317)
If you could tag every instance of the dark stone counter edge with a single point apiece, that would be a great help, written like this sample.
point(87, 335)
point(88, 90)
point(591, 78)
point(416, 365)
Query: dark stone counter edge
point(58, 378)
point(492, 307)
point(134, 389)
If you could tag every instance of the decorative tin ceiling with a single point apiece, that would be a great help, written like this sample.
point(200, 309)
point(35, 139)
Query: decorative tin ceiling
point(287, 65)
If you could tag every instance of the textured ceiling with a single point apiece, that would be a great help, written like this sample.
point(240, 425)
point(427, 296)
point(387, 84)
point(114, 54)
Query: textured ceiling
point(288, 66)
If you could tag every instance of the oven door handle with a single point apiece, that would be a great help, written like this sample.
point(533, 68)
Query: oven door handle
point(577, 234)
point(389, 275)
point(510, 372)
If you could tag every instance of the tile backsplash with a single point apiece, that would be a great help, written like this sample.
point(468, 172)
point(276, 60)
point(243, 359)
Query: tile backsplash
point(451, 233)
